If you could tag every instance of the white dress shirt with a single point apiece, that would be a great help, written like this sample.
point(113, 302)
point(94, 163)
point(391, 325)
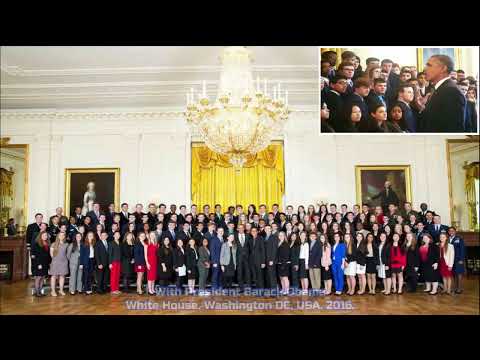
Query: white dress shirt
point(304, 253)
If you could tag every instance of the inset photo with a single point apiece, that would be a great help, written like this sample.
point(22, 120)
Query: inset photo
point(399, 89)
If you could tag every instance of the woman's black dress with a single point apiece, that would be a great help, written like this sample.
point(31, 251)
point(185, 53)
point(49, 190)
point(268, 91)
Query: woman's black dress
point(283, 259)
point(192, 258)
point(126, 252)
point(165, 256)
point(40, 256)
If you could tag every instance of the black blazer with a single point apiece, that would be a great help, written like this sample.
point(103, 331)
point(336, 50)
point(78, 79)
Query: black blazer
point(191, 261)
point(445, 110)
point(114, 252)
point(32, 230)
point(94, 218)
point(179, 258)
point(413, 260)
point(123, 219)
point(335, 104)
point(243, 252)
point(385, 254)
point(101, 254)
point(257, 251)
point(295, 254)
point(271, 248)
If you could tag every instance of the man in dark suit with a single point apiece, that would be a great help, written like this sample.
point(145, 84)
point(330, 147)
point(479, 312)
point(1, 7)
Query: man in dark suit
point(393, 80)
point(198, 234)
point(335, 102)
point(271, 246)
point(110, 216)
point(422, 214)
point(183, 213)
point(184, 234)
point(436, 228)
point(152, 215)
point(33, 229)
point(101, 263)
point(404, 100)
point(377, 95)
point(138, 213)
point(420, 231)
point(348, 70)
point(124, 215)
point(387, 196)
point(243, 265)
point(445, 109)
point(95, 214)
point(262, 212)
point(470, 109)
point(131, 220)
point(78, 216)
point(62, 219)
point(361, 89)
point(257, 258)
point(170, 233)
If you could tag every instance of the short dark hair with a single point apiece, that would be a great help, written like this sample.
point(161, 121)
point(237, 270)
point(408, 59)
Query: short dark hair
point(337, 78)
point(379, 81)
point(462, 72)
point(38, 214)
point(275, 205)
point(348, 54)
point(124, 204)
point(371, 59)
point(183, 206)
point(445, 60)
point(387, 61)
point(343, 64)
point(402, 87)
point(421, 73)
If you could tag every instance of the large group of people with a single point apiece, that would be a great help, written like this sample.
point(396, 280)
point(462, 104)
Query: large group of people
point(389, 98)
point(275, 252)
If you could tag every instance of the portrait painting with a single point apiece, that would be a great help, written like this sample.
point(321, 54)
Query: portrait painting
point(423, 54)
point(370, 181)
point(84, 187)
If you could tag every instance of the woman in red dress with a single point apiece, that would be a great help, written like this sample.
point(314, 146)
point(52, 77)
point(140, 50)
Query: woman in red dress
point(447, 256)
point(151, 260)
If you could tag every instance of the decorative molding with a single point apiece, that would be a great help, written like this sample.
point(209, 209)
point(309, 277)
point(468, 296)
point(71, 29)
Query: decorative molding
point(153, 70)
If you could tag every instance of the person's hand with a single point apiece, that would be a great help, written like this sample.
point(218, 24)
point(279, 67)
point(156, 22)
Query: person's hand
point(40, 267)
point(450, 268)
point(80, 267)
point(215, 265)
point(189, 271)
point(176, 269)
point(164, 268)
point(386, 267)
point(306, 267)
point(223, 268)
point(110, 266)
point(100, 266)
point(295, 267)
point(132, 262)
point(33, 256)
point(416, 269)
point(262, 265)
point(270, 263)
point(326, 269)
point(435, 266)
point(402, 268)
point(148, 266)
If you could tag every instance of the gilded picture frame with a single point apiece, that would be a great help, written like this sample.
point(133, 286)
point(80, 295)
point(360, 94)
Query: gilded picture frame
point(371, 178)
point(107, 181)
point(423, 55)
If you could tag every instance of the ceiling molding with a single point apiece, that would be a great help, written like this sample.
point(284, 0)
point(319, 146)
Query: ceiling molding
point(157, 70)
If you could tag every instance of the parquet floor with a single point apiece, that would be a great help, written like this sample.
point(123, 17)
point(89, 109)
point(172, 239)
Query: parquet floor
point(16, 299)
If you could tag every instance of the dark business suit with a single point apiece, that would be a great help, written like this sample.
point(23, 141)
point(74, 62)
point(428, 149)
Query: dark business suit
point(172, 236)
point(471, 117)
point(445, 110)
point(79, 219)
point(243, 266)
point(373, 99)
point(271, 248)
point(435, 231)
point(123, 219)
point(393, 83)
point(32, 231)
point(102, 258)
point(93, 216)
point(335, 103)
point(257, 257)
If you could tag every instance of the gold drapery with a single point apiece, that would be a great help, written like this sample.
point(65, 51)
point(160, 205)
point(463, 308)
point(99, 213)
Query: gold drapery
point(472, 174)
point(338, 51)
point(6, 195)
point(261, 180)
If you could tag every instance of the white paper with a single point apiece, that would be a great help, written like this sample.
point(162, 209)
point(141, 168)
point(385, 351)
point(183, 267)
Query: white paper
point(182, 271)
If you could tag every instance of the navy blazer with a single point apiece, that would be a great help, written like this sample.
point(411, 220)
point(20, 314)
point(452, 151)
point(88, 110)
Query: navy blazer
point(315, 256)
point(215, 248)
point(85, 255)
point(436, 234)
point(139, 254)
point(459, 246)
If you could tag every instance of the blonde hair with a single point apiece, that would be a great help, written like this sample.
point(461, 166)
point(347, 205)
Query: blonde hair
point(57, 242)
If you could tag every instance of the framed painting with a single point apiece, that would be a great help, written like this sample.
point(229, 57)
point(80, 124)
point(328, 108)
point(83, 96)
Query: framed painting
point(83, 187)
point(423, 54)
point(371, 179)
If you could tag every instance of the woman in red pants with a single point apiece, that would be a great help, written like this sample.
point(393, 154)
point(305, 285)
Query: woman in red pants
point(114, 257)
point(151, 260)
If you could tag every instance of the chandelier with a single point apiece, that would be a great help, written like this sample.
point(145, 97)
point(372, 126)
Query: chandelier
point(243, 119)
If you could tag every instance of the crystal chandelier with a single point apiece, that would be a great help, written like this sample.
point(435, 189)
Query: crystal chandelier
point(243, 119)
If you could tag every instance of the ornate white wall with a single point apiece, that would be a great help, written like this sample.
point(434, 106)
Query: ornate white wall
point(152, 149)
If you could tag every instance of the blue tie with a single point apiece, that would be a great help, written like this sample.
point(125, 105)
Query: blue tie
point(382, 100)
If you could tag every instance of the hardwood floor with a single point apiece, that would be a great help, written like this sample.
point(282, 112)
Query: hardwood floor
point(16, 299)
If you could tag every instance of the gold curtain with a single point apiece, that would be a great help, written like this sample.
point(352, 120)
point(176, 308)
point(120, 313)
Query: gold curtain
point(471, 174)
point(338, 51)
point(215, 180)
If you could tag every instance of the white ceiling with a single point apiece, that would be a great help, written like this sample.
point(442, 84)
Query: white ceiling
point(139, 76)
